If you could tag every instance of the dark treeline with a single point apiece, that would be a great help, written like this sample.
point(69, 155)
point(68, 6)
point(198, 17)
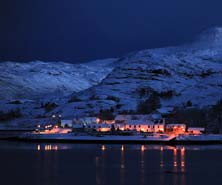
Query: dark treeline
point(210, 118)
point(9, 115)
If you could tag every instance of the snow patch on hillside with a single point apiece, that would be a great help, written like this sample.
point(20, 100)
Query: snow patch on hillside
point(38, 79)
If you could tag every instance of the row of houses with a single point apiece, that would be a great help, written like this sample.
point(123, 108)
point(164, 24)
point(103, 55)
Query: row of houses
point(144, 123)
point(153, 123)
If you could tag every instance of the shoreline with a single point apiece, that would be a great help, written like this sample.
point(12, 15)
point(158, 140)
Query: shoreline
point(113, 140)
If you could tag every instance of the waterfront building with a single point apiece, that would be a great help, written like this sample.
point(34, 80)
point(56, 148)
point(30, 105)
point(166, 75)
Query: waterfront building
point(141, 123)
point(176, 128)
point(145, 117)
point(86, 120)
point(66, 123)
point(196, 130)
point(99, 127)
point(145, 126)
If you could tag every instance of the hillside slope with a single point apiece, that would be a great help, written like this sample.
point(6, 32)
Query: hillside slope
point(36, 79)
point(189, 73)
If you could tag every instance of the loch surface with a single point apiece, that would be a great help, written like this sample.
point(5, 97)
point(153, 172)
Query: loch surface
point(95, 164)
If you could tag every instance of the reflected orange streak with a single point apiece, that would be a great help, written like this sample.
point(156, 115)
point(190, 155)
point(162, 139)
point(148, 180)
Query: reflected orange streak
point(161, 148)
point(182, 153)
point(103, 147)
point(122, 148)
point(142, 148)
point(175, 157)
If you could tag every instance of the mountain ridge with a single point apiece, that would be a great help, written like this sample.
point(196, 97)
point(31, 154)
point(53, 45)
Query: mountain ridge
point(35, 79)
point(180, 74)
point(177, 75)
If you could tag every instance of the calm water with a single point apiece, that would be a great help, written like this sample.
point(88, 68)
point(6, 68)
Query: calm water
point(61, 164)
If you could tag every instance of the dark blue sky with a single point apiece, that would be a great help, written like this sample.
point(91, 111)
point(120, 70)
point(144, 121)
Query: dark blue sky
point(80, 30)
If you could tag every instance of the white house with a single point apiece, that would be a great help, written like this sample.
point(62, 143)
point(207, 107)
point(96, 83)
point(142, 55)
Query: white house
point(106, 121)
point(145, 126)
point(119, 126)
point(196, 130)
point(140, 122)
point(66, 123)
point(176, 128)
point(145, 117)
point(103, 127)
point(86, 120)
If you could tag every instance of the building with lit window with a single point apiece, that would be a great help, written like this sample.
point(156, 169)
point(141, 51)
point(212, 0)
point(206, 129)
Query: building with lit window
point(140, 123)
point(196, 130)
point(176, 128)
point(145, 126)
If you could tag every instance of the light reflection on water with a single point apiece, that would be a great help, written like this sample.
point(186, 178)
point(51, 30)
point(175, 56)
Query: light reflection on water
point(129, 147)
point(47, 147)
point(142, 165)
point(176, 167)
point(116, 164)
point(122, 167)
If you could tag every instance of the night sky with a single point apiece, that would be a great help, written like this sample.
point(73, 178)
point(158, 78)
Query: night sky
point(81, 30)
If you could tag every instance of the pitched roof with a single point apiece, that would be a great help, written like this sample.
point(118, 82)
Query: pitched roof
point(138, 117)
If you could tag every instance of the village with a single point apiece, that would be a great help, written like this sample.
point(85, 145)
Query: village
point(146, 124)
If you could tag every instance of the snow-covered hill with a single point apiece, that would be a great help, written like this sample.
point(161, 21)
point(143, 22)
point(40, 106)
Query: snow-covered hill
point(178, 75)
point(38, 79)
point(188, 73)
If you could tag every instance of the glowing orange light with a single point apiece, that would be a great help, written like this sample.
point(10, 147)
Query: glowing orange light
point(38, 147)
point(143, 130)
point(104, 129)
point(56, 130)
point(122, 129)
point(97, 120)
